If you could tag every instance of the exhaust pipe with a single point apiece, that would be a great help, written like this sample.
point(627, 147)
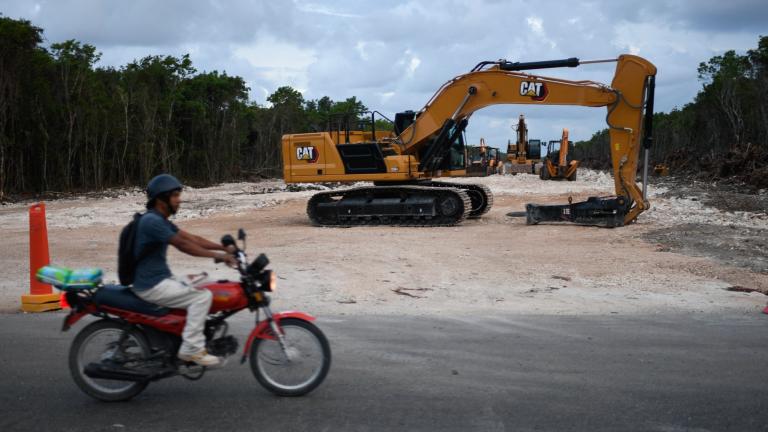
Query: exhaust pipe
point(101, 371)
point(97, 370)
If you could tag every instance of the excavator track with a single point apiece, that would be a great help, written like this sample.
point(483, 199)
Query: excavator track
point(481, 196)
point(390, 205)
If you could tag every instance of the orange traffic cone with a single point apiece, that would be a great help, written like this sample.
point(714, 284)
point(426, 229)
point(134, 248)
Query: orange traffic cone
point(40, 298)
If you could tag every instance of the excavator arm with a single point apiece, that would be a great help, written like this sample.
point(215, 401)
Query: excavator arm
point(629, 103)
point(562, 159)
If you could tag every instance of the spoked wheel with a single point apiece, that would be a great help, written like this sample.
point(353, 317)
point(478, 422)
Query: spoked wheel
point(298, 369)
point(100, 342)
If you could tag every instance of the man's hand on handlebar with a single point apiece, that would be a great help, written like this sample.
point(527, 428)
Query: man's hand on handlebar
point(228, 259)
point(231, 249)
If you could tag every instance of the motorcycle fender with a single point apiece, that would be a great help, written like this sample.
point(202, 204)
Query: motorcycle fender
point(72, 318)
point(262, 330)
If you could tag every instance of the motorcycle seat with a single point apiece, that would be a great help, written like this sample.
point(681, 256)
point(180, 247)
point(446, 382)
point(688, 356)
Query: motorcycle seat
point(121, 297)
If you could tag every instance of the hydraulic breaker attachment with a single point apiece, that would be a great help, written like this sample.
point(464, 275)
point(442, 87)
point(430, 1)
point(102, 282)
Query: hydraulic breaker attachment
point(606, 212)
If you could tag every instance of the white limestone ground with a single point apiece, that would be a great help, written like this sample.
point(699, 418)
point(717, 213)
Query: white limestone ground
point(494, 263)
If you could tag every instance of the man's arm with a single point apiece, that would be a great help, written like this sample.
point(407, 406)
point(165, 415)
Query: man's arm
point(199, 241)
point(190, 247)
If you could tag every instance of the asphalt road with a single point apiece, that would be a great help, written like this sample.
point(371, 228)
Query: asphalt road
point(654, 373)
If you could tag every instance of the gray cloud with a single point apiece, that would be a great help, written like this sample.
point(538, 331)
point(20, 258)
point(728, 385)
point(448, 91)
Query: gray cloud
point(718, 15)
point(394, 54)
point(150, 23)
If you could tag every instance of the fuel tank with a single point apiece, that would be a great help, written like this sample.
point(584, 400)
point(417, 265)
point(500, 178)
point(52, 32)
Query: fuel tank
point(227, 295)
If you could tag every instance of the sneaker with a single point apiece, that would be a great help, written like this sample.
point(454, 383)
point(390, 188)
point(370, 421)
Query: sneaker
point(201, 358)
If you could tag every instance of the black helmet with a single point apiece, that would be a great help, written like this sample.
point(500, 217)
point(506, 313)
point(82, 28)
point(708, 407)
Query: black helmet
point(162, 184)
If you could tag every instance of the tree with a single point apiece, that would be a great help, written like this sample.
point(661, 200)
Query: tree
point(19, 52)
point(723, 132)
point(66, 124)
point(726, 77)
point(74, 62)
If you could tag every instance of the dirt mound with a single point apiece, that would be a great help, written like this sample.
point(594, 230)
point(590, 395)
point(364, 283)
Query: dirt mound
point(746, 164)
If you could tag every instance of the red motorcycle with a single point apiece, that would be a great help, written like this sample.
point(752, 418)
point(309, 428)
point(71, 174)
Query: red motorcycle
point(135, 342)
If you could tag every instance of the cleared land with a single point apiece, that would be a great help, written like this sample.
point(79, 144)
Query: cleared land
point(680, 257)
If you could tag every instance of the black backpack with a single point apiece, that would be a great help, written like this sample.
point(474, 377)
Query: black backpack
point(126, 262)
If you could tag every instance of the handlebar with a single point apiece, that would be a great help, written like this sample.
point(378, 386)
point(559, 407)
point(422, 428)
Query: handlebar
point(242, 259)
point(259, 264)
point(254, 274)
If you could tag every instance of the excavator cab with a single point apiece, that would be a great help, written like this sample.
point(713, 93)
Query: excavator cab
point(534, 150)
point(448, 147)
point(553, 150)
point(457, 160)
point(403, 120)
point(445, 152)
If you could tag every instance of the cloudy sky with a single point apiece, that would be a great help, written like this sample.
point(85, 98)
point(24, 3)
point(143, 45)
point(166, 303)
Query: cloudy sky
point(393, 55)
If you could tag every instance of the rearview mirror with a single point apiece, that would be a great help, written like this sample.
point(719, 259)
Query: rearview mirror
point(258, 264)
point(241, 234)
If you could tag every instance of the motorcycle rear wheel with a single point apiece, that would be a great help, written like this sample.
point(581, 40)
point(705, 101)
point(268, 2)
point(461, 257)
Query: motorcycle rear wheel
point(308, 362)
point(97, 343)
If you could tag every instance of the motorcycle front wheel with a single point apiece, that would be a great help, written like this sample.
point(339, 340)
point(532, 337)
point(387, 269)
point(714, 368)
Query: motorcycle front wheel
point(99, 342)
point(298, 369)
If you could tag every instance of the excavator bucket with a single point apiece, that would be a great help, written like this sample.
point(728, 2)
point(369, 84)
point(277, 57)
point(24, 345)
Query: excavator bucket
point(606, 212)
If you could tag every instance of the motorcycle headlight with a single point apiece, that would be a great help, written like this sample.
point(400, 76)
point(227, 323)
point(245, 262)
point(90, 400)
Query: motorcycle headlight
point(269, 281)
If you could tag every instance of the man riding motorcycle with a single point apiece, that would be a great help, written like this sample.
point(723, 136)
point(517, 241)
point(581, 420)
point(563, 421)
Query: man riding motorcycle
point(154, 281)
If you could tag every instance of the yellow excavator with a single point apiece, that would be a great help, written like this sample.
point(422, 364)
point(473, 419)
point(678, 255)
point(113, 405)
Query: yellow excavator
point(482, 160)
point(524, 154)
point(430, 144)
point(556, 164)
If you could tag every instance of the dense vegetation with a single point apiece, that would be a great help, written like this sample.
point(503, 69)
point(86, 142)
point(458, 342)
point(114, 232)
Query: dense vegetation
point(723, 133)
point(67, 124)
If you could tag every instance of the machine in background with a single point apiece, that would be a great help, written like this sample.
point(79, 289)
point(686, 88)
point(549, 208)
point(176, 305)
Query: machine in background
point(556, 163)
point(483, 160)
point(524, 156)
point(426, 145)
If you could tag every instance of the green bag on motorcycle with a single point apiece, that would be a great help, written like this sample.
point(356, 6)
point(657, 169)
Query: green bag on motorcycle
point(66, 279)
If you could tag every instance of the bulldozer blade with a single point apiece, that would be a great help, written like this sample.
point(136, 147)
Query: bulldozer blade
point(595, 211)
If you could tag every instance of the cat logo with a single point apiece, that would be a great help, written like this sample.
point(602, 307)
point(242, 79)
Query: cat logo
point(536, 90)
point(309, 154)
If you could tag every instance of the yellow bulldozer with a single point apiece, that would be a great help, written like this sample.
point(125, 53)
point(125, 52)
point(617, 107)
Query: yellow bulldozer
point(402, 165)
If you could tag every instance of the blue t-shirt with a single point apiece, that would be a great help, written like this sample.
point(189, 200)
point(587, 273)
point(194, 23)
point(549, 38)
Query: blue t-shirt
point(154, 232)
